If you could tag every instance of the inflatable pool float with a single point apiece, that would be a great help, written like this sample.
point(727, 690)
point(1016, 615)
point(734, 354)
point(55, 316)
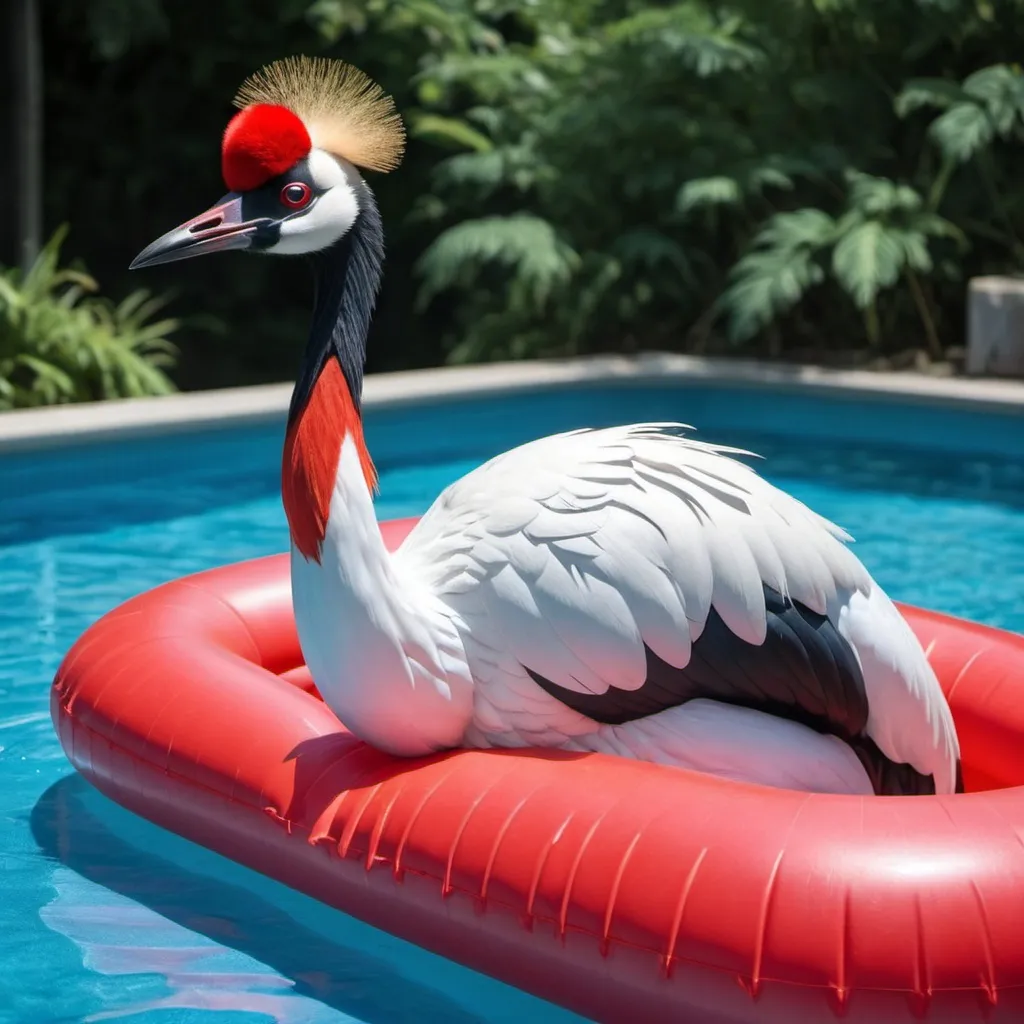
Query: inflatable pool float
point(622, 890)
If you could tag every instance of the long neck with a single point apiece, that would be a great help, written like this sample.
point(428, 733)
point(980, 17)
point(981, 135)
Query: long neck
point(326, 402)
point(385, 656)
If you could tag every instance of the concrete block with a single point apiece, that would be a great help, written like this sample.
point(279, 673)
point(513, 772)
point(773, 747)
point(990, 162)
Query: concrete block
point(995, 326)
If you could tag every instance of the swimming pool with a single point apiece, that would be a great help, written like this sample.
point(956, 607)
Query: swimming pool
point(107, 917)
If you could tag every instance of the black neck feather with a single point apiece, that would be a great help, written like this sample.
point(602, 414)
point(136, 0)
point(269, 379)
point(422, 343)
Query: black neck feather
point(346, 279)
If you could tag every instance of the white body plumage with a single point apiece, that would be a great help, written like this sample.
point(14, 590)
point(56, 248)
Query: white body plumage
point(574, 555)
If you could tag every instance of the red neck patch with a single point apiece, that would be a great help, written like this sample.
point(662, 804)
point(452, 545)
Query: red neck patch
point(312, 449)
point(261, 142)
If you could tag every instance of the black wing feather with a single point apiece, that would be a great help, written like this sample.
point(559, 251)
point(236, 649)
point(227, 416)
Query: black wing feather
point(805, 671)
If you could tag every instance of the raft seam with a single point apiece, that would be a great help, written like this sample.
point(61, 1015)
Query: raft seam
point(613, 894)
point(563, 912)
point(762, 924)
point(397, 868)
point(505, 825)
point(446, 886)
point(352, 825)
point(963, 671)
point(538, 870)
point(378, 830)
point(669, 954)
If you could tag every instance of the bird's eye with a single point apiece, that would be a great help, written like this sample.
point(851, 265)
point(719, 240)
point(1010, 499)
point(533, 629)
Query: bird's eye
point(296, 195)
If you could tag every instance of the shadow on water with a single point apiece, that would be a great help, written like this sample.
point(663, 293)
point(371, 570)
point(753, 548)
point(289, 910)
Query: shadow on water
point(78, 828)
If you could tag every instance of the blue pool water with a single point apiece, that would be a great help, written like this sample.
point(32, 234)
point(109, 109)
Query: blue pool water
point(104, 917)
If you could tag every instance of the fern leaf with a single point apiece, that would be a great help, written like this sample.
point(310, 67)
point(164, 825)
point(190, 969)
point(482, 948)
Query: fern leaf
point(139, 306)
point(449, 131)
point(492, 77)
point(764, 286)
point(689, 33)
point(914, 245)
point(10, 297)
point(37, 281)
point(650, 248)
point(934, 226)
point(778, 172)
point(879, 196)
point(782, 265)
point(333, 17)
point(825, 91)
point(787, 232)
point(962, 131)
point(927, 92)
point(65, 345)
point(703, 192)
point(489, 118)
point(867, 259)
point(529, 246)
point(479, 168)
point(51, 385)
point(1001, 90)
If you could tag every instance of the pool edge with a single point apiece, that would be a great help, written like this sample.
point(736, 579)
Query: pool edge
point(89, 423)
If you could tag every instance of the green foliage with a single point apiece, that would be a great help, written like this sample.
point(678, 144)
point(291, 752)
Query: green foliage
point(538, 259)
point(59, 342)
point(582, 175)
point(988, 104)
point(636, 173)
point(884, 233)
point(782, 264)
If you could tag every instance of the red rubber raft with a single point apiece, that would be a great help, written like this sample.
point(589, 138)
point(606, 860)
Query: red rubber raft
point(624, 891)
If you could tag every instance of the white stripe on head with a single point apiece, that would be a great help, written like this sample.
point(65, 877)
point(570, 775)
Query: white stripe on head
point(330, 216)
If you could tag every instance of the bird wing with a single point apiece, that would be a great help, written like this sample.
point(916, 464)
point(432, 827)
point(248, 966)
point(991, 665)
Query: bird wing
point(631, 569)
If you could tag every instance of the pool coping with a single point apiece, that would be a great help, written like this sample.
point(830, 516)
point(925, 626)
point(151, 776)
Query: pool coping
point(88, 423)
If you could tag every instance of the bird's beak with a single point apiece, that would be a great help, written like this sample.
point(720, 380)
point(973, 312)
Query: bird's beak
point(220, 228)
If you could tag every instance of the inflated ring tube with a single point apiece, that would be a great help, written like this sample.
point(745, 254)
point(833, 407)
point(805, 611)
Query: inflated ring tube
point(622, 890)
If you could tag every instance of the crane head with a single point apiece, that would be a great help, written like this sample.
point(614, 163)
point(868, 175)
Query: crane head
point(290, 159)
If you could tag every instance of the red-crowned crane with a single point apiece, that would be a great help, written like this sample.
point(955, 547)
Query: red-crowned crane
point(628, 590)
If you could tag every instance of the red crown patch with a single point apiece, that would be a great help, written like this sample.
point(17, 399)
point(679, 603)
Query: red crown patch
point(261, 142)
